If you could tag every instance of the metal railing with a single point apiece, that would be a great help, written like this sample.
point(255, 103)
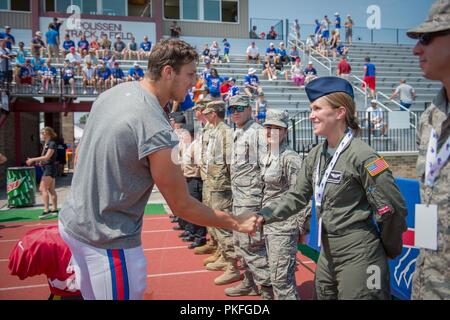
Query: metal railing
point(364, 85)
point(377, 129)
point(413, 117)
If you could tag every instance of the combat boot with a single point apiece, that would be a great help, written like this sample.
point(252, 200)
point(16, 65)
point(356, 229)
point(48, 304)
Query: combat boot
point(266, 292)
point(219, 264)
point(231, 274)
point(213, 257)
point(208, 248)
point(246, 288)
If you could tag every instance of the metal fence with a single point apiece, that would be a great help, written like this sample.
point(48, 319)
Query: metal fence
point(397, 135)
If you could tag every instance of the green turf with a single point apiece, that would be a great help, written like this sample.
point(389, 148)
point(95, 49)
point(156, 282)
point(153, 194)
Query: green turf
point(23, 214)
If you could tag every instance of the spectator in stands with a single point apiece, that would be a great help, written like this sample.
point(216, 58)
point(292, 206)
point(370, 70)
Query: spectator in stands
point(337, 23)
point(145, 49)
point(175, 30)
point(322, 47)
point(136, 72)
point(407, 95)
point(205, 53)
point(10, 40)
point(103, 76)
point(131, 51)
point(252, 53)
point(349, 29)
point(226, 50)
point(282, 53)
point(67, 44)
point(272, 33)
point(225, 88)
point(214, 52)
point(119, 47)
point(261, 106)
point(84, 54)
point(317, 28)
point(297, 74)
point(91, 57)
point(105, 44)
point(234, 89)
point(375, 115)
point(344, 69)
point(68, 75)
point(198, 89)
point(269, 68)
point(37, 45)
point(21, 54)
point(75, 59)
point(310, 43)
point(251, 83)
point(279, 69)
point(48, 76)
point(325, 28)
point(294, 54)
point(83, 44)
point(94, 45)
point(26, 73)
point(310, 73)
point(57, 27)
point(117, 75)
point(107, 55)
point(89, 77)
point(342, 49)
point(253, 34)
point(369, 77)
point(213, 83)
point(6, 57)
point(52, 37)
point(271, 50)
point(38, 64)
point(207, 71)
point(335, 39)
point(297, 29)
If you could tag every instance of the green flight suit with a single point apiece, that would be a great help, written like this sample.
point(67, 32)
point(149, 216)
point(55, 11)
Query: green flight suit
point(353, 256)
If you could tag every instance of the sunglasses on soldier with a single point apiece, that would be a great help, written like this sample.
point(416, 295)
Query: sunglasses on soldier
point(234, 109)
point(426, 38)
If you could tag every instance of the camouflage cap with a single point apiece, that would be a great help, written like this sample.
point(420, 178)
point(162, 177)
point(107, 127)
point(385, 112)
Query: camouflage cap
point(214, 106)
point(201, 104)
point(277, 118)
point(438, 20)
point(239, 100)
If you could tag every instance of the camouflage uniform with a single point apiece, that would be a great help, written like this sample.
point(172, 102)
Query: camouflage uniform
point(432, 276)
point(218, 181)
point(247, 187)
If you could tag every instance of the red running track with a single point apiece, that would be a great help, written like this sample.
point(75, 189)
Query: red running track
point(174, 271)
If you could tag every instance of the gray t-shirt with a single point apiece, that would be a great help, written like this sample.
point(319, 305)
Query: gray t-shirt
point(405, 92)
point(112, 180)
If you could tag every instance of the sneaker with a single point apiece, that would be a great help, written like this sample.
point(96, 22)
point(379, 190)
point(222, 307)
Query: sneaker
point(48, 215)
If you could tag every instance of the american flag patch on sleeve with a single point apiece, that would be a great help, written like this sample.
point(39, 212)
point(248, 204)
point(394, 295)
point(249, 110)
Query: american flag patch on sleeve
point(377, 166)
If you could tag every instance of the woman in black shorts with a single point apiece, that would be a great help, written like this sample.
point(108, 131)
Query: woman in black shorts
point(48, 162)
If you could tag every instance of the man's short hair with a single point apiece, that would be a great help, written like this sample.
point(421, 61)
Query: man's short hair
point(170, 52)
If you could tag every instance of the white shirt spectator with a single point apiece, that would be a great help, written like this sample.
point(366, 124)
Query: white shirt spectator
point(252, 51)
point(74, 57)
point(89, 73)
point(406, 93)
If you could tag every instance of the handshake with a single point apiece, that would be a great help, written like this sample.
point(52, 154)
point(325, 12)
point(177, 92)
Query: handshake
point(248, 223)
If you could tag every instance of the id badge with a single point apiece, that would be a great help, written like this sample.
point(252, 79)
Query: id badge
point(426, 220)
point(319, 233)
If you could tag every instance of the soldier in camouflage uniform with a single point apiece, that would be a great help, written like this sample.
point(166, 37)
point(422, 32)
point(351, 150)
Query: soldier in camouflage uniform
point(248, 149)
point(211, 245)
point(351, 185)
point(431, 279)
point(281, 168)
point(218, 182)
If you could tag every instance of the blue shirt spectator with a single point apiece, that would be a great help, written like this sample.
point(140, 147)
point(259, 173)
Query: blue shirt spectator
point(146, 46)
point(310, 71)
point(370, 72)
point(83, 44)
point(234, 90)
point(67, 44)
point(38, 63)
point(226, 47)
point(213, 83)
point(52, 37)
point(7, 35)
point(318, 25)
point(187, 103)
point(26, 71)
point(104, 73)
point(337, 22)
point(117, 73)
point(251, 79)
point(48, 71)
point(67, 72)
point(136, 73)
point(271, 50)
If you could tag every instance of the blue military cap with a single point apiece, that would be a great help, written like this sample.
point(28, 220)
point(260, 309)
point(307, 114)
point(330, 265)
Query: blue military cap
point(325, 85)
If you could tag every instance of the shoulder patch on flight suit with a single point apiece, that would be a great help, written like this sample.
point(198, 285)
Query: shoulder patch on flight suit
point(377, 166)
point(384, 210)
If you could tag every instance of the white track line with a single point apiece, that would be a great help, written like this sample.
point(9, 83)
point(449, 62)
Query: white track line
point(11, 240)
point(157, 231)
point(24, 287)
point(165, 248)
point(175, 273)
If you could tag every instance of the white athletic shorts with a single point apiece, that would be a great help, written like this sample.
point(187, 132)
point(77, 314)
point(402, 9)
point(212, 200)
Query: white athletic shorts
point(107, 274)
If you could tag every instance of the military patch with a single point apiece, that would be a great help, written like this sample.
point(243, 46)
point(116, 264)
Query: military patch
point(335, 177)
point(377, 166)
point(384, 210)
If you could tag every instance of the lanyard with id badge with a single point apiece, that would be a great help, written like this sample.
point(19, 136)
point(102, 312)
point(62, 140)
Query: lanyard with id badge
point(320, 186)
point(426, 216)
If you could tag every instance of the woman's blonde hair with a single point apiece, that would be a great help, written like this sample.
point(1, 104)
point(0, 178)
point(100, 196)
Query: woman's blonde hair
point(50, 132)
point(341, 99)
